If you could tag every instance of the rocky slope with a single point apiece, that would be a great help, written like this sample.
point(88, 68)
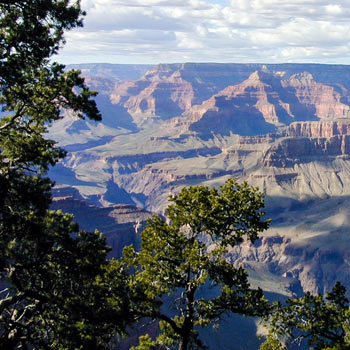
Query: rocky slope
point(269, 95)
point(306, 182)
point(264, 102)
point(121, 223)
point(166, 91)
point(284, 128)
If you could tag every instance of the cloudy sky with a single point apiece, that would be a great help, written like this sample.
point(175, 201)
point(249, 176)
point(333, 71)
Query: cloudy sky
point(162, 31)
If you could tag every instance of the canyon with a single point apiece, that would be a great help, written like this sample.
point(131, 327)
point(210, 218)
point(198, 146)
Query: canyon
point(284, 128)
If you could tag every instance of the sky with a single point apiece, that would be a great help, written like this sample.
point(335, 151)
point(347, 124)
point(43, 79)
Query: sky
point(176, 31)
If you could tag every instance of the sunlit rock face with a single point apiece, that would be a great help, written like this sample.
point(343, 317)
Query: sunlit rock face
point(323, 129)
point(320, 100)
point(264, 101)
point(284, 128)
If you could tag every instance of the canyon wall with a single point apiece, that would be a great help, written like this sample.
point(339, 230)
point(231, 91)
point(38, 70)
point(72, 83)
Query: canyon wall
point(284, 128)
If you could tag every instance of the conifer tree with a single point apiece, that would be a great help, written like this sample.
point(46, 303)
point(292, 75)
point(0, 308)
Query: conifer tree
point(52, 295)
point(313, 321)
point(180, 276)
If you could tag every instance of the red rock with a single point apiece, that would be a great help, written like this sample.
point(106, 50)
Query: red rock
point(319, 129)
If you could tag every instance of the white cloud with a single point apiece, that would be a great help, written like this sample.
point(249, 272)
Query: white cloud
point(333, 9)
point(153, 31)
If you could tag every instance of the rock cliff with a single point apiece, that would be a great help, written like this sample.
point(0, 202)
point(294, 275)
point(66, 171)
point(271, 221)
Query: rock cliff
point(319, 129)
point(263, 102)
point(121, 223)
point(318, 98)
point(284, 128)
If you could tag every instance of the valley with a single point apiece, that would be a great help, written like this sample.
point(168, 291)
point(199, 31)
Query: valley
point(284, 128)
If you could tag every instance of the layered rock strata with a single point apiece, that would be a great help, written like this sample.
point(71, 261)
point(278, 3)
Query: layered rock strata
point(121, 223)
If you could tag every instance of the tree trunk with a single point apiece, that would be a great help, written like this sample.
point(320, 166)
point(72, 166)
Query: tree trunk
point(183, 343)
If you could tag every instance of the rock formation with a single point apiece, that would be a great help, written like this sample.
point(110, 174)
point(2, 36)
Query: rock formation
point(121, 223)
point(284, 128)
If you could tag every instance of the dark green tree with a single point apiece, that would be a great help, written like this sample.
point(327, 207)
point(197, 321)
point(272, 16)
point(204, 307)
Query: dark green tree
point(52, 293)
point(321, 323)
point(181, 259)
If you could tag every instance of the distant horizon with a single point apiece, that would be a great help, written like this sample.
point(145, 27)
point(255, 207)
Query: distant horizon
point(208, 62)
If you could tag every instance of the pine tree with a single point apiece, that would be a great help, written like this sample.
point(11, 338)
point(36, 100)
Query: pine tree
point(52, 294)
point(182, 258)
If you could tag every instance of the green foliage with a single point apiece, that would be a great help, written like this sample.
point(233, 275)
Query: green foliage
point(186, 255)
point(322, 323)
point(52, 298)
point(53, 295)
point(31, 31)
point(146, 343)
point(272, 343)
